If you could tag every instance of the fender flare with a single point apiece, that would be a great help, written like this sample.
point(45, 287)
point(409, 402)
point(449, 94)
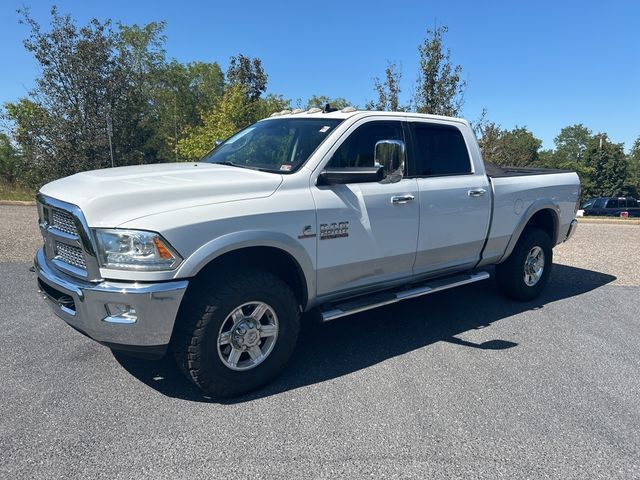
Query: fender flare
point(251, 238)
point(535, 207)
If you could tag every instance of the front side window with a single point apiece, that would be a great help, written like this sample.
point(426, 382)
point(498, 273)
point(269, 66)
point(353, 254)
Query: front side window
point(280, 145)
point(439, 150)
point(359, 148)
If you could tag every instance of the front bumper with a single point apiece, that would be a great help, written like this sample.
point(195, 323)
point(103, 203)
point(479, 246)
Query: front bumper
point(148, 325)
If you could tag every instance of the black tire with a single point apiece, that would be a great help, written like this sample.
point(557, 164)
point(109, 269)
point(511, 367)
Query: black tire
point(205, 309)
point(510, 274)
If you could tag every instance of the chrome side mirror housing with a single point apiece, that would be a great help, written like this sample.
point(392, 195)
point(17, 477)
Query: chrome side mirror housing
point(391, 155)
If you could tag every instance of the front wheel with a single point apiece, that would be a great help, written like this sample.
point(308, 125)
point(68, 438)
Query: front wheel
point(236, 334)
point(525, 273)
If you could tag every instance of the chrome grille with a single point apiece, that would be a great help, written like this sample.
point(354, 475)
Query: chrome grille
point(63, 221)
point(67, 242)
point(71, 255)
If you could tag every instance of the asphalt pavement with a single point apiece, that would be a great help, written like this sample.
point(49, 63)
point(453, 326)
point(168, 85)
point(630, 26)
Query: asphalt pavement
point(459, 384)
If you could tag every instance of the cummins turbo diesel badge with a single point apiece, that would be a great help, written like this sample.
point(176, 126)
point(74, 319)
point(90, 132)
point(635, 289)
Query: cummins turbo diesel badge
point(334, 230)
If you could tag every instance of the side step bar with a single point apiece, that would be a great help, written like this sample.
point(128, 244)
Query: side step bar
point(378, 300)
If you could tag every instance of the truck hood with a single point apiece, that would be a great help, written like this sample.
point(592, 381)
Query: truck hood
point(113, 196)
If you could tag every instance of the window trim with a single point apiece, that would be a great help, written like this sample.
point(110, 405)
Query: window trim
point(410, 123)
point(353, 129)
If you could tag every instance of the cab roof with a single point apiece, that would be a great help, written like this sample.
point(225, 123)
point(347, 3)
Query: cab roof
point(351, 112)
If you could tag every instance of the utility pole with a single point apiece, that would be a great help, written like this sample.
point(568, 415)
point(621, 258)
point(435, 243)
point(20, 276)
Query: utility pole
point(175, 127)
point(110, 135)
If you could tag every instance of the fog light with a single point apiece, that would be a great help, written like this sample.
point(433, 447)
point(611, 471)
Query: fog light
point(120, 313)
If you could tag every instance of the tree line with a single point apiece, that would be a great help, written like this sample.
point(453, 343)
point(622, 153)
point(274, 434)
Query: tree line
point(108, 95)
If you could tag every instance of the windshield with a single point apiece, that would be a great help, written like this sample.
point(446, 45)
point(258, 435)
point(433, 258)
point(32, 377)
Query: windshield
point(279, 145)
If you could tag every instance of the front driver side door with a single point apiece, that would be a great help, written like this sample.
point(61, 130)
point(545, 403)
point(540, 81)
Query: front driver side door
point(366, 232)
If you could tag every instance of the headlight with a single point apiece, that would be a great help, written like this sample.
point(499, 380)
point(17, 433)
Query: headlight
point(135, 250)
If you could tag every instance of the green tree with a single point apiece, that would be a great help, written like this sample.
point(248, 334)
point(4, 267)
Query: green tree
point(387, 91)
point(143, 58)
point(489, 137)
point(234, 111)
point(248, 72)
point(519, 148)
point(181, 94)
point(320, 101)
point(571, 144)
point(608, 164)
point(633, 161)
point(440, 88)
point(10, 160)
point(513, 148)
point(86, 76)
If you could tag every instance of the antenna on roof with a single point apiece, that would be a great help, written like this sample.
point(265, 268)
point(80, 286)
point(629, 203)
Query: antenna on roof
point(328, 109)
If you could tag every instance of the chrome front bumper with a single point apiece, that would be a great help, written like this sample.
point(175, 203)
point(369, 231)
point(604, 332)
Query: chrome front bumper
point(152, 307)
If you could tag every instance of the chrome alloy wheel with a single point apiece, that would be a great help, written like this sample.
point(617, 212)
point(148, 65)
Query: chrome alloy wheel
point(534, 266)
point(247, 336)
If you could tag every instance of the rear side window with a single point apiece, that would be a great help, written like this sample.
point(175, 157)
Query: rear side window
point(439, 150)
point(613, 203)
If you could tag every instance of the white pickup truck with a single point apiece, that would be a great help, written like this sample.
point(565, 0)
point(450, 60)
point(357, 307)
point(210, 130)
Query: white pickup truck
point(333, 213)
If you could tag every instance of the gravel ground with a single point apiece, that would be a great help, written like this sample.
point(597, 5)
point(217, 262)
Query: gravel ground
point(607, 248)
point(19, 234)
point(430, 388)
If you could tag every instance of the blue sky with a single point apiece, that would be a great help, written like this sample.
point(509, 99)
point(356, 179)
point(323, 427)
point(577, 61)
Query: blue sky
point(539, 64)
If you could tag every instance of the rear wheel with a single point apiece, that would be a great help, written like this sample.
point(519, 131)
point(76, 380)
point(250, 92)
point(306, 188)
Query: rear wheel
point(235, 334)
point(525, 273)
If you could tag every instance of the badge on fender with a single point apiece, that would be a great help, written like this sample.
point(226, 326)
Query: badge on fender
point(329, 231)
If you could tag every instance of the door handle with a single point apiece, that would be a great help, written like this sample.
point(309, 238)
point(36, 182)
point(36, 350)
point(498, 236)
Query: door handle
point(476, 192)
point(401, 199)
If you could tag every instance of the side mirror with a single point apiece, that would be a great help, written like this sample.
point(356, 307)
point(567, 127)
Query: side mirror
point(218, 142)
point(337, 176)
point(390, 154)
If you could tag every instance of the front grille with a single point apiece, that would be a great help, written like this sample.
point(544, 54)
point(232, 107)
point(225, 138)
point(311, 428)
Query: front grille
point(71, 255)
point(66, 241)
point(63, 221)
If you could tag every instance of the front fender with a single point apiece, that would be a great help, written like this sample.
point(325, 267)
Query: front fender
point(250, 238)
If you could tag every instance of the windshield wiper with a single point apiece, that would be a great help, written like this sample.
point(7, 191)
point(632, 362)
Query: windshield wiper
point(260, 169)
point(231, 164)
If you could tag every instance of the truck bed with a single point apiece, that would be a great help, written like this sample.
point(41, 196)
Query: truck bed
point(520, 191)
point(495, 171)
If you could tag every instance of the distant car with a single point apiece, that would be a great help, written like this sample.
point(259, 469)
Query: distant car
point(611, 206)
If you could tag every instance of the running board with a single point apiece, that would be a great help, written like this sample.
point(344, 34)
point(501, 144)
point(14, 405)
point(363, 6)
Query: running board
point(387, 298)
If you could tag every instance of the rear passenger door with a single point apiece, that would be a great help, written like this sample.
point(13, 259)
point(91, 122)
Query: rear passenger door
point(455, 201)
